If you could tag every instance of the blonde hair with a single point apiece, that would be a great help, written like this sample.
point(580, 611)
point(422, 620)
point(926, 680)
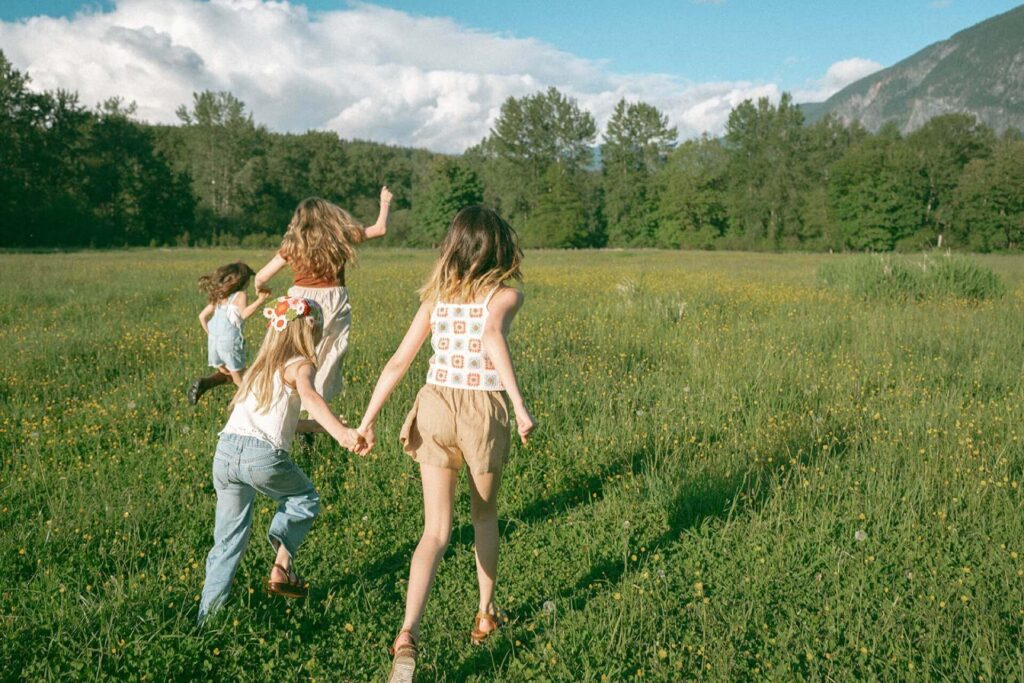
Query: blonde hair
point(479, 252)
point(299, 338)
point(225, 281)
point(320, 238)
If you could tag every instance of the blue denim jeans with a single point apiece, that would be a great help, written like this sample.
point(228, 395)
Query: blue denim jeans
point(243, 467)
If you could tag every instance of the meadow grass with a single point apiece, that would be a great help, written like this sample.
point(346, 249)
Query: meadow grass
point(740, 475)
point(896, 277)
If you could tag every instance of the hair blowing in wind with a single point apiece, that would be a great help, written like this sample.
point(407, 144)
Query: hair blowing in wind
point(480, 252)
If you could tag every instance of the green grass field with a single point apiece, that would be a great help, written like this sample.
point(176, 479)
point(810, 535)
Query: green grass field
point(739, 476)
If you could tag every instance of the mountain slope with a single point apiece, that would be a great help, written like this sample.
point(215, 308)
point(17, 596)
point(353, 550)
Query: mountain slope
point(979, 71)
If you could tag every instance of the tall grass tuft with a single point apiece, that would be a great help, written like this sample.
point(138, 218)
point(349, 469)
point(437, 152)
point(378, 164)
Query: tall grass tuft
point(899, 278)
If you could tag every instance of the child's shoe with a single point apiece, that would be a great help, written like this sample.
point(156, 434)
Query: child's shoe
point(403, 666)
point(478, 635)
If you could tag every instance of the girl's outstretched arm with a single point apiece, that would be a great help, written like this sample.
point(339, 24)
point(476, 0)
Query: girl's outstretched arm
point(268, 271)
point(261, 296)
point(204, 317)
point(319, 410)
point(504, 306)
point(380, 228)
point(395, 370)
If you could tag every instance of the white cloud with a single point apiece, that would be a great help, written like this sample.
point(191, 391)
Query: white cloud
point(363, 71)
point(837, 77)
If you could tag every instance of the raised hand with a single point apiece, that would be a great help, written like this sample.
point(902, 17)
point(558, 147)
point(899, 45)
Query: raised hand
point(385, 195)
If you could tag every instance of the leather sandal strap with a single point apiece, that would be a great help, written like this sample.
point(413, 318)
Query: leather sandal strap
point(293, 578)
point(410, 647)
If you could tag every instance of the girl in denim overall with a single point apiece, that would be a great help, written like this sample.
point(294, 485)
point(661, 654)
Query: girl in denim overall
point(226, 310)
point(253, 453)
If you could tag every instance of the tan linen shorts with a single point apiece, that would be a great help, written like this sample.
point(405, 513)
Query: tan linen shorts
point(449, 426)
point(330, 352)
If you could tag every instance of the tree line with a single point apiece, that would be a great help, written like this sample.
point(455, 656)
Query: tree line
point(74, 176)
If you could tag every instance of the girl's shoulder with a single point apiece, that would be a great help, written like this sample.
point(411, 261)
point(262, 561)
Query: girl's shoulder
point(291, 367)
point(508, 296)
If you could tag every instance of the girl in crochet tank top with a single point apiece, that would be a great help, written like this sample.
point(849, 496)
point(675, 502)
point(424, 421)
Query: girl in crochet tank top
point(461, 416)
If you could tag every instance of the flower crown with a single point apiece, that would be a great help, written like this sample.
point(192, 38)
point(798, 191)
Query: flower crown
point(289, 308)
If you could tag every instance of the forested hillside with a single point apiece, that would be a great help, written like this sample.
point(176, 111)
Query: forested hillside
point(73, 176)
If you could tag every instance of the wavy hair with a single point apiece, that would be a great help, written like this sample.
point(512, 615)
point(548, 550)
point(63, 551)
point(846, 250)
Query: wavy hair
point(225, 281)
point(299, 338)
point(320, 238)
point(479, 252)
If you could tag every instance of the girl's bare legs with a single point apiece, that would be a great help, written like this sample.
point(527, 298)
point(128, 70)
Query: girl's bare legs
point(236, 376)
point(438, 500)
point(203, 384)
point(484, 510)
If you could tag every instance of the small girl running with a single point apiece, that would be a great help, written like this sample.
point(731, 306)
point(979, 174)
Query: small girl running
point(226, 310)
point(319, 243)
point(252, 454)
point(461, 415)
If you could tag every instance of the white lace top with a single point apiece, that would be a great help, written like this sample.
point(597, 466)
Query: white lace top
point(277, 425)
point(459, 360)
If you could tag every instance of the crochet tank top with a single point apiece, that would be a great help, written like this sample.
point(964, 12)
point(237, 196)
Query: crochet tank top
point(459, 360)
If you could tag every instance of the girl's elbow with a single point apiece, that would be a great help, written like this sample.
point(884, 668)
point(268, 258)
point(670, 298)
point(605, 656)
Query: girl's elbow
point(308, 396)
point(492, 336)
point(395, 366)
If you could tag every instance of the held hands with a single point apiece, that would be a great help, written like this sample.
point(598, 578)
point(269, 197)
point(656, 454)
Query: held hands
point(262, 294)
point(385, 196)
point(369, 437)
point(353, 441)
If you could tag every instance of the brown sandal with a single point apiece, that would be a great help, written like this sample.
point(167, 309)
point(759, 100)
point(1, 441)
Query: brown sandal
point(294, 587)
point(478, 635)
point(403, 666)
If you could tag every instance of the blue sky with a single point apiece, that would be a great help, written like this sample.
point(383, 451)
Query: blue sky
point(788, 41)
point(434, 74)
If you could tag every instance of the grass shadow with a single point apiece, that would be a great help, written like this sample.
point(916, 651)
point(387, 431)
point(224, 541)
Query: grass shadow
point(694, 503)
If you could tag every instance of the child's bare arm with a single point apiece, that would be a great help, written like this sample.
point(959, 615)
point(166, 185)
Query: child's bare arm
point(204, 317)
point(395, 369)
point(268, 271)
point(318, 408)
point(503, 309)
point(310, 427)
point(380, 228)
point(261, 296)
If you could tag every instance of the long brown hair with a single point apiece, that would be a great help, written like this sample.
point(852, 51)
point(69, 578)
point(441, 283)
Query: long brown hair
point(225, 281)
point(320, 238)
point(480, 252)
point(299, 338)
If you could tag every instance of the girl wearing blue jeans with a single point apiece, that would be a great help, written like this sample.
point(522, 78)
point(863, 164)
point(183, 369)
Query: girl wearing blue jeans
point(252, 454)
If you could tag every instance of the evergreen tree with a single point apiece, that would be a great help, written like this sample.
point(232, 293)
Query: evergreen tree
point(450, 184)
point(767, 169)
point(560, 217)
point(636, 145)
point(531, 134)
point(691, 203)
